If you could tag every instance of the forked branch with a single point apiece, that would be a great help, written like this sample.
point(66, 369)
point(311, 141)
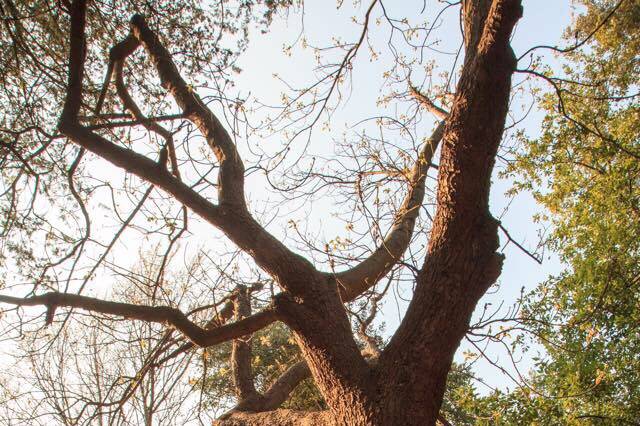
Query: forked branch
point(231, 216)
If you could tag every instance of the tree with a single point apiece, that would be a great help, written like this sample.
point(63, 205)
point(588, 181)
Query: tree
point(274, 351)
point(51, 75)
point(90, 362)
point(584, 169)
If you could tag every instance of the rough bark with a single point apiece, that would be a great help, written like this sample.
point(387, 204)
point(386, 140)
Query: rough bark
point(323, 333)
point(461, 260)
point(241, 350)
point(279, 418)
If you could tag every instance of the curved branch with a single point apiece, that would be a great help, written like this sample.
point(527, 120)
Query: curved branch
point(231, 175)
point(231, 216)
point(117, 56)
point(118, 52)
point(275, 396)
point(220, 318)
point(280, 390)
point(358, 279)
point(161, 314)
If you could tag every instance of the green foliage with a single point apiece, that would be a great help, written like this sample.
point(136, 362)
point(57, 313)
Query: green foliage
point(273, 350)
point(461, 402)
point(585, 169)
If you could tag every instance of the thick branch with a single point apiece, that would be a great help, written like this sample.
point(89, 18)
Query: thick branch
point(220, 318)
point(275, 396)
point(77, 51)
point(241, 350)
point(117, 57)
point(291, 270)
point(231, 174)
point(280, 390)
point(367, 273)
point(474, 15)
point(161, 314)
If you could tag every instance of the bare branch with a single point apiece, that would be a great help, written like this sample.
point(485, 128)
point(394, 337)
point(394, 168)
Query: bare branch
point(159, 314)
point(427, 103)
point(356, 280)
point(280, 390)
point(231, 175)
point(533, 256)
point(117, 57)
point(231, 216)
point(583, 41)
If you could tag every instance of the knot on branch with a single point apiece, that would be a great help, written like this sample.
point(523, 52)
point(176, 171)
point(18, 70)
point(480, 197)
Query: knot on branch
point(493, 266)
point(51, 312)
point(51, 303)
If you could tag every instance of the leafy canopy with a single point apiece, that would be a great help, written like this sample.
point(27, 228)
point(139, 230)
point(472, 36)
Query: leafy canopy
point(585, 170)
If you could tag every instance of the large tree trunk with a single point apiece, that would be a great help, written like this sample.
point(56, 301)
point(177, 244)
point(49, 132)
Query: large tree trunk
point(278, 418)
point(407, 384)
point(461, 261)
